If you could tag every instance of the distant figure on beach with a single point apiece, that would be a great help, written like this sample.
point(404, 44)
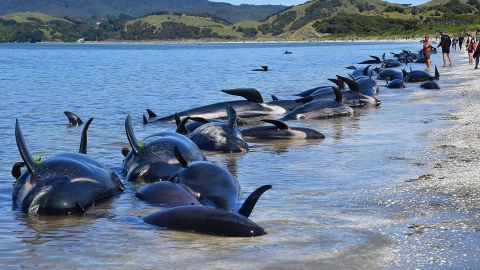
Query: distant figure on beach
point(454, 43)
point(427, 46)
point(461, 39)
point(470, 43)
point(476, 48)
point(445, 43)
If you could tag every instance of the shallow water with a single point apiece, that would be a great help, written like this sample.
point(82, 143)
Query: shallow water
point(310, 217)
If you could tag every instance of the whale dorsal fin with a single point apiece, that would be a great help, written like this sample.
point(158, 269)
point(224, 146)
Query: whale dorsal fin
point(265, 68)
point(365, 70)
point(179, 157)
point(73, 119)
point(437, 74)
point(338, 95)
point(177, 119)
point(353, 85)
point(83, 140)
point(250, 94)
point(131, 136)
point(340, 84)
point(232, 117)
point(250, 202)
point(145, 120)
point(351, 67)
point(405, 73)
point(383, 56)
point(23, 149)
point(376, 58)
point(304, 99)
point(405, 79)
point(151, 114)
point(181, 127)
point(274, 98)
point(277, 123)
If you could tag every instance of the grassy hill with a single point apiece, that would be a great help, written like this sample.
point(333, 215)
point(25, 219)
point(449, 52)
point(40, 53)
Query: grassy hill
point(333, 19)
point(97, 9)
point(313, 20)
point(182, 26)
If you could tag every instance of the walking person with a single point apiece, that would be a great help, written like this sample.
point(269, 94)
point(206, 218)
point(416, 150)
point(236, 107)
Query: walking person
point(461, 39)
point(445, 43)
point(476, 54)
point(427, 46)
point(454, 43)
point(470, 43)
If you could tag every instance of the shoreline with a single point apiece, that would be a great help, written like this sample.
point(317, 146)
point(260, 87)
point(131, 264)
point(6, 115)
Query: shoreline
point(210, 42)
point(443, 204)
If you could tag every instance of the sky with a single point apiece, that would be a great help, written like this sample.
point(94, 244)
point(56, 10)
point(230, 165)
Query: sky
point(295, 2)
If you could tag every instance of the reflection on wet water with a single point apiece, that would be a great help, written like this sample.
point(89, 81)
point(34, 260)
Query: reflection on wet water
point(310, 220)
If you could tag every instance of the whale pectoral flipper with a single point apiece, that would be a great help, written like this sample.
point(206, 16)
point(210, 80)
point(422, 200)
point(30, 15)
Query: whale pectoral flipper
point(23, 149)
point(277, 123)
point(249, 94)
point(17, 169)
point(179, 157)
point(73, 119)
point(250, 202)
point(83, 140)
point(80, 207)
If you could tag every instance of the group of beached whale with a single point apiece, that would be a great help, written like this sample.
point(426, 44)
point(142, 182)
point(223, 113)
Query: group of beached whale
point(200, 196)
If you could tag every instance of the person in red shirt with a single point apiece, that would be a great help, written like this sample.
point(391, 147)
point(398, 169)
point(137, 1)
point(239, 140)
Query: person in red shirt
point(427, 46)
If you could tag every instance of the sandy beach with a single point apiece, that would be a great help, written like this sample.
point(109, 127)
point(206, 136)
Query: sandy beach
point(437, 218)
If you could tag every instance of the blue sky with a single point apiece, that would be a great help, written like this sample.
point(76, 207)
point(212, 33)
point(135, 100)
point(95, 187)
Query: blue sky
point(294, 2)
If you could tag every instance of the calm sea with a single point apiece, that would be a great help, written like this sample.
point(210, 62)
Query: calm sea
point(310, 216)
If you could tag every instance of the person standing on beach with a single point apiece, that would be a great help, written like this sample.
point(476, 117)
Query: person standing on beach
point(470, 43)
point(476, 54)
point(454, 43)
point(427, 45)
point(445, 42)
point(461, 39)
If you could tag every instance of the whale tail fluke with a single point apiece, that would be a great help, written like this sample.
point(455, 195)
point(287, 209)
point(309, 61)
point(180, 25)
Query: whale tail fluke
point(277, 123)
point(73, 119)
point(250, 94)
point(251, 201)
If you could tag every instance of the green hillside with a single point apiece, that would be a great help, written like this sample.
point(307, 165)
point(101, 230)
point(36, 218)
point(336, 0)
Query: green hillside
point(314, 20)
point(180, 26)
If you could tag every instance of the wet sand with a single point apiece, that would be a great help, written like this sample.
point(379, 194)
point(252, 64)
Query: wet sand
point(436, 217)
